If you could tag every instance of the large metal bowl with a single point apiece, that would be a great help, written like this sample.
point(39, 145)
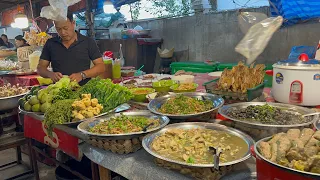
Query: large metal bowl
point(155, 104)
point(147, 141)
point(267, 169)
point(259, 130)
point(11, 102)
point(86, 125)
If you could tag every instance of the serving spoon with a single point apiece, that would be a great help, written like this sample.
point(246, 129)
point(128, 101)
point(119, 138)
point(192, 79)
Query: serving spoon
point(216, 156)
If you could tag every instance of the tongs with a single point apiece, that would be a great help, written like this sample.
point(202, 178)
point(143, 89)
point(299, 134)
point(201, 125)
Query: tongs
point(216, 156)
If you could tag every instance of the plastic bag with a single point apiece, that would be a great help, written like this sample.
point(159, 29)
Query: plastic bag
point(57, 10)
point(257, 38)
point(247, 19)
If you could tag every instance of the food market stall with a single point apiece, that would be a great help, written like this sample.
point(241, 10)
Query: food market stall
point(108, 143)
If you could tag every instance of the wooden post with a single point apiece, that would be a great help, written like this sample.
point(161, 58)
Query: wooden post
point(105, 174)
point(90, 17)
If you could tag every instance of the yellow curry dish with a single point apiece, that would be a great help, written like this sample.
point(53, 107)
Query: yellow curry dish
point(192, 145)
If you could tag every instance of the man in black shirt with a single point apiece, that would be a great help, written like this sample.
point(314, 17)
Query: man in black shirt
point(70, 54)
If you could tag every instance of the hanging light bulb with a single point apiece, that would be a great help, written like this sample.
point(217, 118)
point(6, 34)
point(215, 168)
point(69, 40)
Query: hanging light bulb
point(21, 20)
point(108, 7)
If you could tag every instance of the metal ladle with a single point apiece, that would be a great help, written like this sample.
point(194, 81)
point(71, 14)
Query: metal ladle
point(216, 156)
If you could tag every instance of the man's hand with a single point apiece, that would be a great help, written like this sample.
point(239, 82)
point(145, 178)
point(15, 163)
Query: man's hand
point(76, 77)
point(55, 76)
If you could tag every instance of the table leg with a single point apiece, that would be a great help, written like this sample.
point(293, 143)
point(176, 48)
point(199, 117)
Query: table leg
point(95, 171)
point(105, 174)
point(34, 160)
point(19, 158)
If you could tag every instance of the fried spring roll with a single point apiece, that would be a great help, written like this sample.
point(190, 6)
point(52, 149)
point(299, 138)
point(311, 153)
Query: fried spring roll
point(293, 134)
point(265, 149)
point(276, 137)
point(274, 152)
point(306, 134)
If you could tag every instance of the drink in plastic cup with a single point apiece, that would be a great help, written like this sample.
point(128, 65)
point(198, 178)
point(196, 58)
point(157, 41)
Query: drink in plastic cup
point(34, 60)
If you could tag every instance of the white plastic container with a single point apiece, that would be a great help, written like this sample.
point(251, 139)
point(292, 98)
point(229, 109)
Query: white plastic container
point(184, 78)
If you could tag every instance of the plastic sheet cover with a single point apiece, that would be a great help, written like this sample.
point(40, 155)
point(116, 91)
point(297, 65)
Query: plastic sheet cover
point(295, 11)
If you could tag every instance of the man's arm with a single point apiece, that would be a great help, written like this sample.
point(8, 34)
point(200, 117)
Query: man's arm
point(6, 53)
point(43, 71)
point(96, 70)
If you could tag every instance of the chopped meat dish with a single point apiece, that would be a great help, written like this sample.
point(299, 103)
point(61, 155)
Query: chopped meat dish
point(192, 145)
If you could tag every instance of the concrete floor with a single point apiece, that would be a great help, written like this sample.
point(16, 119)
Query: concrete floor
point(7, 156)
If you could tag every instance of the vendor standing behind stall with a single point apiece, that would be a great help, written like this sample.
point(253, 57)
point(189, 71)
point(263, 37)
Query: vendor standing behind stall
point(70, 54)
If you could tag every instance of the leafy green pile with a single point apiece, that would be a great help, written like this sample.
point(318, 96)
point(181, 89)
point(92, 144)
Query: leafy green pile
point(59, 113)
point(108, 94)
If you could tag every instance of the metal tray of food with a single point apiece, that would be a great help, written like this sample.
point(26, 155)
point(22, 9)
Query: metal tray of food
point(118, 109)
point(155, 104)
point(21, 110)
point(86, 125)
point(147, 141)
point(302, 110)
point(11, 102)
point(306, 174)
point(316, 124)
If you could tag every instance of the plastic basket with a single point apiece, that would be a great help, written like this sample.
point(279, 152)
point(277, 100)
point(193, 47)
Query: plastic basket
point(250, 95)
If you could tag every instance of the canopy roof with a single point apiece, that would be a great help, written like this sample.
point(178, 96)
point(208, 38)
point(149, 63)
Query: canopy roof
point(294, 11)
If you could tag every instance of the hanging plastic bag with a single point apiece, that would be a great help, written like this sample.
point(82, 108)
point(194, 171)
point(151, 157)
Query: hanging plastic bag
point(57, 10)
point(247, 19)
point(257, 38)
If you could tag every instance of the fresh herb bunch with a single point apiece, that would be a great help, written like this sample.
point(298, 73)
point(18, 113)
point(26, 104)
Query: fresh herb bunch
point(108, 94)
point(59, 113)
point(64, 93)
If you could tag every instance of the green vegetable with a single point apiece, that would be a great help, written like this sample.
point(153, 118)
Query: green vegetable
point(108, 94)
point(64, 93)
point(27, 107)
point(33, 100)
point(190, 160)
point(58, 113)
point(36, 108)
point(44, 107)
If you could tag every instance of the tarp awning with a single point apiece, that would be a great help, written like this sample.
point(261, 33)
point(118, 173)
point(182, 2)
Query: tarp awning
point(294, 11)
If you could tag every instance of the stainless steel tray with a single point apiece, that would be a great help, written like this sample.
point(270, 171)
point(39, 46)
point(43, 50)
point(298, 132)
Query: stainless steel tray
point(120, 108)
point(7, 103)
point(147, 141)
point(155, 104)
point(304, 173)
point(316, 124)
point(85, 126)
point(302, 110)
point(29, 112)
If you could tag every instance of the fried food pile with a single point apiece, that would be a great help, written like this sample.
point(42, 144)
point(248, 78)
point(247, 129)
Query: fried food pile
point(240, 78)
point(86, 108)
point(38, 39)
point(295, 149)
